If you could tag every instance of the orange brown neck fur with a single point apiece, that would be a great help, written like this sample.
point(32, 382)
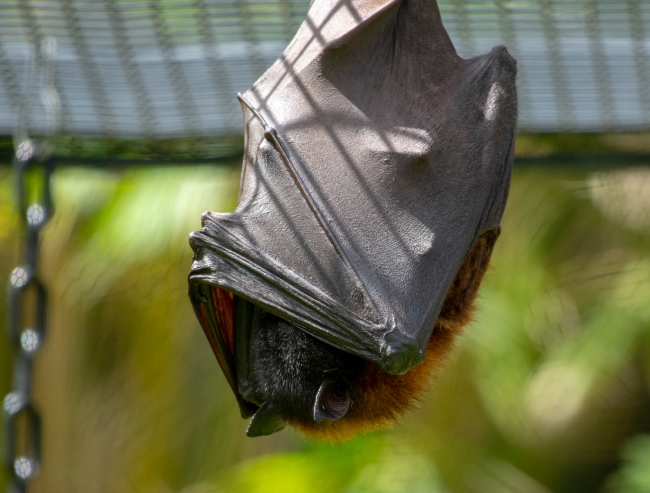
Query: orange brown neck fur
point(380, 398)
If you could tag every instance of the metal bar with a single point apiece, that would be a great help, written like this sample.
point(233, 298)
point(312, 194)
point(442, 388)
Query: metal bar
point(93, 81)
point(641, 56)
point(218, 71)
point(601, 70)
point(184, 101)
point(563, 105)
point(134, 77)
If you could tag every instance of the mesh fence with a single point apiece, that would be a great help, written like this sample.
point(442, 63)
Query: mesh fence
point(172, 68)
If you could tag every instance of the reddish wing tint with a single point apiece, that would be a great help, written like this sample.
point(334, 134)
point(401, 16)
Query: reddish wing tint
point(224, 309)
point(216, 316)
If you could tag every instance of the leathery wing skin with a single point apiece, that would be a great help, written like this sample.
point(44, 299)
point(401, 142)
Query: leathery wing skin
point(375, 157)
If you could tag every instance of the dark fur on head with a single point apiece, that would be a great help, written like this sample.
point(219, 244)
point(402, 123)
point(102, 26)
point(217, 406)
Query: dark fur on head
point(290, 365)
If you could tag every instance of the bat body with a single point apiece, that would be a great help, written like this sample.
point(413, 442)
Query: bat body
point(375, 174)
point(290, 367)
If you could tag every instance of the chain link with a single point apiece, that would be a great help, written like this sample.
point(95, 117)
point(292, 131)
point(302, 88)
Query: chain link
point(26, 326)
point(27, 296)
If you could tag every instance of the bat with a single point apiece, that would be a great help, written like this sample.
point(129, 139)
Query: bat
point(375, 174)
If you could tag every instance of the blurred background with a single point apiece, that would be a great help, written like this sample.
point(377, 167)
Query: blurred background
point(129, 109)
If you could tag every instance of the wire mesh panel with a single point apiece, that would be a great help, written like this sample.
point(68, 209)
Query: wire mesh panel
point(172, 68)
point(145, 69)
point(583, 65)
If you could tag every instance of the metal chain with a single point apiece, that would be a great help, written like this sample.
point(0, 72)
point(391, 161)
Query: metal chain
point(27, 296)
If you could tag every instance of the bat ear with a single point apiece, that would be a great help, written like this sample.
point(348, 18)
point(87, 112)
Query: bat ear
point(332, 401)
point(265, 421)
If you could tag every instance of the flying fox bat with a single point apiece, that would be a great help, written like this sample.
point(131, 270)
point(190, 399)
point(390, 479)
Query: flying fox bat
point(376, 170)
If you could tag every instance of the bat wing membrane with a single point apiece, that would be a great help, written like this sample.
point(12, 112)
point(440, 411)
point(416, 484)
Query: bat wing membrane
point(374, 159)
point(215, 310)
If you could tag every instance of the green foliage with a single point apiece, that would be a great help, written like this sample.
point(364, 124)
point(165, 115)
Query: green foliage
point(548, 389)
point(374, 464)
point(634, 475)
point(8, 231)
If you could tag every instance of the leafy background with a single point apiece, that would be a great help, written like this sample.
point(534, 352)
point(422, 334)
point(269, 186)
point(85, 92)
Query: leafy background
point(548, 390)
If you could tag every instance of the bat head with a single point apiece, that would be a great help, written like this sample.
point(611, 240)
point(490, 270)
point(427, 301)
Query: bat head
point(329, 394)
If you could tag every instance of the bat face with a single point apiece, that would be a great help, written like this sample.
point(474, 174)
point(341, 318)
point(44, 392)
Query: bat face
point(332, 395)
point(375, 174)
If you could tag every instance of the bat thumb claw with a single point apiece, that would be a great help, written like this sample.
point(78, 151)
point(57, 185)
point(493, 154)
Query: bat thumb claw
point(265, 421)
